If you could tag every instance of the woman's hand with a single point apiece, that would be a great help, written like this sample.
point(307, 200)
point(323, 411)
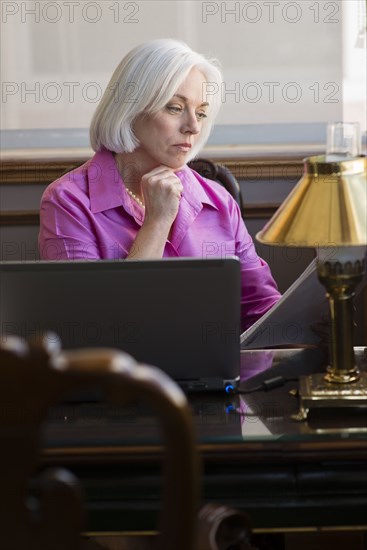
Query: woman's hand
point(161, 190)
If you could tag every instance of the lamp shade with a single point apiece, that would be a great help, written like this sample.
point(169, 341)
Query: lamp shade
point(328, 207)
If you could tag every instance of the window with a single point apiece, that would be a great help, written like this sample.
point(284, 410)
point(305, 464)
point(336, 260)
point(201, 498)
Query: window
point(289, 66)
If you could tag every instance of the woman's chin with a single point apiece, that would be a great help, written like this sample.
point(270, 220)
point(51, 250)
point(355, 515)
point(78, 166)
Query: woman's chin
point(176, 165)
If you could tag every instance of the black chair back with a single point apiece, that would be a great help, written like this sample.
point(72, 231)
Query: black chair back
point(220, 173)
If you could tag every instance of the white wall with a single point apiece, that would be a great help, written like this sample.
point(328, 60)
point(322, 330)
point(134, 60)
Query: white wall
point(282, 60)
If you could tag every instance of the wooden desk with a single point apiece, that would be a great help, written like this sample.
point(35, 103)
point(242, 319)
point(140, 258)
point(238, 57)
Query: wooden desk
point(286, 475)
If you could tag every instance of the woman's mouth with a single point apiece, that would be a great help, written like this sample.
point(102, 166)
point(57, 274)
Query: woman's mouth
point(185, 147)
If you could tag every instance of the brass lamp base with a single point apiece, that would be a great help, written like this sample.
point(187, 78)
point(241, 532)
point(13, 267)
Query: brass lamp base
point(342, 385)
point(315, 393)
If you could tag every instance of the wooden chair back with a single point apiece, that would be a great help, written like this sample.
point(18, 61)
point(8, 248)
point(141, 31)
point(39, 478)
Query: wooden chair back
point(36, 376)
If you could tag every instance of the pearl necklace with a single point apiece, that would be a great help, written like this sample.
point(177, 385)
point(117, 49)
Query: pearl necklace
point(135, 197)
point(132, 195)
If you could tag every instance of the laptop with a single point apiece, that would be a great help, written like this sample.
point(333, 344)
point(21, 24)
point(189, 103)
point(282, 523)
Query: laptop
point(181, 315)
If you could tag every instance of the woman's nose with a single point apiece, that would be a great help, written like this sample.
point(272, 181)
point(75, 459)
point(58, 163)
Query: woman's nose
point(190, 124)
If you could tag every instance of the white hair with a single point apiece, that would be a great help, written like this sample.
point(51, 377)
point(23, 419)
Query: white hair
point(144, 82)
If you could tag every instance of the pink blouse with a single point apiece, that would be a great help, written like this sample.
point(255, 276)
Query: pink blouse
point(87, 214)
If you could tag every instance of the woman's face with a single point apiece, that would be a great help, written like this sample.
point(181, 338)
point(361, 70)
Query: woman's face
point(167, 137)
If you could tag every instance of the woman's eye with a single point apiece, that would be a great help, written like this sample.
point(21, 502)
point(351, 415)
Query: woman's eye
point(174, 108)
point(201, 116)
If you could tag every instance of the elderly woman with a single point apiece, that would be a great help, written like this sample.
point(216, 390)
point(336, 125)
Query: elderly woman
point(137, 198)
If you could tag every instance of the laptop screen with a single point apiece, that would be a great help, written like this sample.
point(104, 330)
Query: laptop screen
point(181, 315)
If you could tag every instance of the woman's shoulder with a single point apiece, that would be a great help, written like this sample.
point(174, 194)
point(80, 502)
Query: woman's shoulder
point(74, 182)
point(69, 188)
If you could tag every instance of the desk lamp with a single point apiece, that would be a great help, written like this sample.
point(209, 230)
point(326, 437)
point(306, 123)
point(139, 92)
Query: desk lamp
point(327, 210)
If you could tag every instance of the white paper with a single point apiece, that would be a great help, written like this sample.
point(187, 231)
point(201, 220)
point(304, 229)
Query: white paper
point(289, 321)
